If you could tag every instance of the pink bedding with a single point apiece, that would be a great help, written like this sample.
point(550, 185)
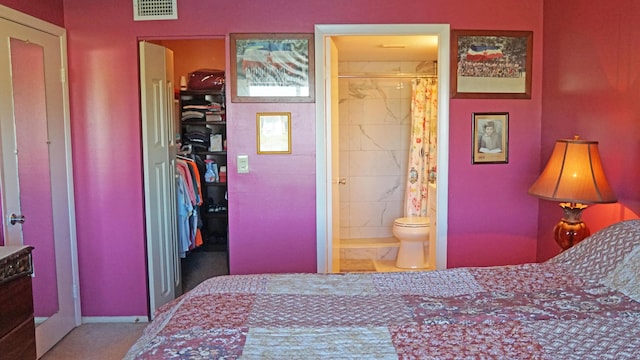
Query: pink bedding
point(583, 304)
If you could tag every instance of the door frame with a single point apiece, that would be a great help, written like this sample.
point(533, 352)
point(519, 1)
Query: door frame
point(323, 132)
point(55, 328)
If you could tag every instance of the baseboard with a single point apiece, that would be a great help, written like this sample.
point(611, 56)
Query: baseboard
point(114, 319)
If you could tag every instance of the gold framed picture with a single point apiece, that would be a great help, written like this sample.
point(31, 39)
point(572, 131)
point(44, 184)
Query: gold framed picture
point(273, 132)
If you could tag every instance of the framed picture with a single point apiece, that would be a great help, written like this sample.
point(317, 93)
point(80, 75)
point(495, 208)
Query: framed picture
point(273, 132)
point(490, 138)
point(491, 64)
point(272, 67)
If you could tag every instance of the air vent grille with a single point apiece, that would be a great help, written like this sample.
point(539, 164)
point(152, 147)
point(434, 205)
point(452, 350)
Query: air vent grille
point(155, 10)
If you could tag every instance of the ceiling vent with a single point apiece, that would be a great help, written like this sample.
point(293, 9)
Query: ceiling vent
point(155, 10)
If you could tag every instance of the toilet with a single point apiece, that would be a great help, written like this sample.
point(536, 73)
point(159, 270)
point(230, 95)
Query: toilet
point(412, 232)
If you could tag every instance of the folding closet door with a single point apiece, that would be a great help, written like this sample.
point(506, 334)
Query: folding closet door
point(36, 182)
point(159, 165)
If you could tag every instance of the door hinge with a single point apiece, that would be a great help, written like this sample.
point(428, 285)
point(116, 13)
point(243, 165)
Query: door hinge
point(75, 291)
point(63, 75)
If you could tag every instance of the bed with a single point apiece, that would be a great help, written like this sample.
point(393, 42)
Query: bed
point(582, 304)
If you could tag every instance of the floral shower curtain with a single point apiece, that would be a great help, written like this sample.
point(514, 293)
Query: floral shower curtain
point(422, 150)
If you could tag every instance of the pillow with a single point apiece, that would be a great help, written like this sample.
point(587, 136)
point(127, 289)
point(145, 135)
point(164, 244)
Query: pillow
point(626, 276)
point(608, 254)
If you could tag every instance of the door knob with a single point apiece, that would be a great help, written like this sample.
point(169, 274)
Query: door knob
point(16, 219)
point(342, 181)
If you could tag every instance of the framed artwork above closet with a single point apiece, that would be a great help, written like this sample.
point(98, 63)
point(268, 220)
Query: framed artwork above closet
point(272, 67)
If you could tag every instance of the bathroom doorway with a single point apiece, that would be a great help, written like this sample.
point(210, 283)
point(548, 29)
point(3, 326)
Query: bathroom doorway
point(331, 40)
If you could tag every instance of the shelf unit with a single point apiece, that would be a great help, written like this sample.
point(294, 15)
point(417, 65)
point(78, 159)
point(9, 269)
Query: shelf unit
point(204, 127)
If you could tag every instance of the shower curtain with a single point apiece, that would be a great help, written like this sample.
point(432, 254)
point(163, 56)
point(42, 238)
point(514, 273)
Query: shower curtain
point(423, 144)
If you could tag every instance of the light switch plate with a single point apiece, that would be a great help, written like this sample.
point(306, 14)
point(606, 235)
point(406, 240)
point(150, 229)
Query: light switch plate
point(243, 164)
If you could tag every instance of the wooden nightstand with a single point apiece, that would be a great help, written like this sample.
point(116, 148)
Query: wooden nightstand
point(17, 329)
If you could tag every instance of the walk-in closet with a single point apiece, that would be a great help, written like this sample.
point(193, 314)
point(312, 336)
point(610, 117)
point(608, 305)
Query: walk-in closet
point(200, 119)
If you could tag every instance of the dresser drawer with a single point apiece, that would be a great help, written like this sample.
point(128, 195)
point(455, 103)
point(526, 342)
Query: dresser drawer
point(16, 304)
point(20, 344)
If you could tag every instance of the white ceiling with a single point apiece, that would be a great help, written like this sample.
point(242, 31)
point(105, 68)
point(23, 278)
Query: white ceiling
point(386, 48)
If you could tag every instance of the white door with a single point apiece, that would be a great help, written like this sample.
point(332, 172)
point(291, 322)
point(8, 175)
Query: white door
point(37, 180)
point(159, 150)
point(332, 103)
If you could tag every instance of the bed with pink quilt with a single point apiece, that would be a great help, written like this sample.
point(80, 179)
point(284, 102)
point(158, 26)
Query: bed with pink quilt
point(582, 304)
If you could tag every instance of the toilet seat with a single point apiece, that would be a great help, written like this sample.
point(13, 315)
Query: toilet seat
point(412, 222)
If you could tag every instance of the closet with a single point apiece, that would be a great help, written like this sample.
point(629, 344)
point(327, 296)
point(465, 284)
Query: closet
point(203, 147)
point(200, 131)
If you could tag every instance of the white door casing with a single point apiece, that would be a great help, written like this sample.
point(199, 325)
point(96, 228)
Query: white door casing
point(50, 41)
point(325, 140)
point(159, 150)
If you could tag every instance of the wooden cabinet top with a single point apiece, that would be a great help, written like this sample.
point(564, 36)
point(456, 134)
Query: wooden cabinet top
point(15, 261)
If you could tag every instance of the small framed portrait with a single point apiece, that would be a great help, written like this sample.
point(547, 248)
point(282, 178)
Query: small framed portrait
point(490, 138)
point(273, 132)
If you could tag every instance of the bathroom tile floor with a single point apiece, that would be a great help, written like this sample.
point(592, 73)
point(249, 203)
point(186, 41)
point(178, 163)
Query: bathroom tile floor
point(369, 243)
point(390, 266)
point(371, 255)
point(357, 265)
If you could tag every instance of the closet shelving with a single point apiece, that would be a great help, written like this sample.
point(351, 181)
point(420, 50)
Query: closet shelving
point(204, 133)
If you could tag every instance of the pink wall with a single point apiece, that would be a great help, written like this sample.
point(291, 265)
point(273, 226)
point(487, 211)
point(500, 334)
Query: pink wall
point(591, 86)
point(192, 54)
point(48, 10)
point(272, 209)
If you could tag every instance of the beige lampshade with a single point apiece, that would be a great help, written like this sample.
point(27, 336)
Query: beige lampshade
point(574, 174)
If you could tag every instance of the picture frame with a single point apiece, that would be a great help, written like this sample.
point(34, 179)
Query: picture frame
point(272, 67)
point(491, 64)
point(273, 132)
point(490, 138)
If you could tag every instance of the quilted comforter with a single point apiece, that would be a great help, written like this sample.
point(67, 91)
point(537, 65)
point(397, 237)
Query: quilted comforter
point(582, 304)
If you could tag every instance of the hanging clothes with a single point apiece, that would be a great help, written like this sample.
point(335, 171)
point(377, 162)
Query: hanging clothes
point(197, 221)
point(184, 210)
point(422, 152)
point(189, 192)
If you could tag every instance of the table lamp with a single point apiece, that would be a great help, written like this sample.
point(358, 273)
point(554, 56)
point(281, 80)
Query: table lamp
point(574, 176)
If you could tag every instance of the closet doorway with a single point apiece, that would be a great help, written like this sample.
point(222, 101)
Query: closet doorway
point(328, 178)
point(170, 270)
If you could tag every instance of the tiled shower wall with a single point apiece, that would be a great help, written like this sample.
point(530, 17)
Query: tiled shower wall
point(374, 140)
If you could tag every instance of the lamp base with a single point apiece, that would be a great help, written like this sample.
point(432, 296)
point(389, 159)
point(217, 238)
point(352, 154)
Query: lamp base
point(571, 229)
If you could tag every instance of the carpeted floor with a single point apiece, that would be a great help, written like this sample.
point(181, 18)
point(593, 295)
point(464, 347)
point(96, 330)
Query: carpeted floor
point(96, 341)
point(111, 341)
point(201, 265)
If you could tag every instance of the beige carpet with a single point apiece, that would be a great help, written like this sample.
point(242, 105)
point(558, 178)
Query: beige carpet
point(96, 341)
point(111, 341)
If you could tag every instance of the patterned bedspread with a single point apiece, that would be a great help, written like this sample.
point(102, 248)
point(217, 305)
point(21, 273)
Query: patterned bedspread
point(561, 309)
